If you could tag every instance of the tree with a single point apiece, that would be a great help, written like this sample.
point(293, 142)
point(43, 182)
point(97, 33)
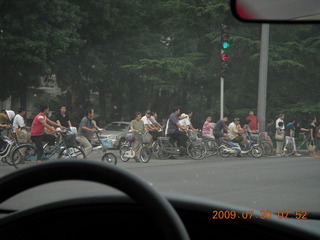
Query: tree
point(33, 36)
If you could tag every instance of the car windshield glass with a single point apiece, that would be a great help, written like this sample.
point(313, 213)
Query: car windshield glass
point(116, 127)
point(231, 108)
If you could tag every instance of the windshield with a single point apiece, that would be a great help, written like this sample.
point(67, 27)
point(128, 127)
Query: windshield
point(249, 92)
point(117, 127)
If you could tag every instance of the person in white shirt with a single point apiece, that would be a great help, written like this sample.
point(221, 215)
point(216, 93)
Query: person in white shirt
point(280, 119)
point(235, 131)
point(20, 129)
point(147, 121)
point(185, 121)
point(148, 124)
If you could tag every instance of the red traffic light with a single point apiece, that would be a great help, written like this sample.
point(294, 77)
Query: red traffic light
point(224, 57)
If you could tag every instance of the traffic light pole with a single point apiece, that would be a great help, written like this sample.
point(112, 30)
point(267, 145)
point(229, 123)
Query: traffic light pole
point(221, 97)
point(263, 73)
point(225, 44)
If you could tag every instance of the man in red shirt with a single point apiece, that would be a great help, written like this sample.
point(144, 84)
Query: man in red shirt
point(38, 135)
point(254, 122)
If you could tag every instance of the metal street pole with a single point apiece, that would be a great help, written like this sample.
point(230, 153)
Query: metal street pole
point(263, 74)
point(221, 96)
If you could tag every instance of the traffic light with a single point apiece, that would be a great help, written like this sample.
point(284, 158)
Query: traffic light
point(225, 45)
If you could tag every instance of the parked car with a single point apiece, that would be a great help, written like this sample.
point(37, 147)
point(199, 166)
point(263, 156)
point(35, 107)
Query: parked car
point(115, 131)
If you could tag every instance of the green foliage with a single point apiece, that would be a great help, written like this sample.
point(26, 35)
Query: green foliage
point(154, 55)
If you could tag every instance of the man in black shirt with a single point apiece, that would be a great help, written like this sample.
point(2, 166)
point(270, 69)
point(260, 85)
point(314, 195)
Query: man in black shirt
point(220, 128)
point(63, 118)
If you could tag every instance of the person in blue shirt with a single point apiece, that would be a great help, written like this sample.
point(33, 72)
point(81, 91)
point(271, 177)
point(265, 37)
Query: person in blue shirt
point(289, 133)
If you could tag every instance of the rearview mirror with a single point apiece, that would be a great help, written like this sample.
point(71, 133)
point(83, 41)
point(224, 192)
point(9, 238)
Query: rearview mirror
point(276, 10)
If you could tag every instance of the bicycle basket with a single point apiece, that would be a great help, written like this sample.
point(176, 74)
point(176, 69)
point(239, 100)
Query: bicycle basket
point(197, 141)
point(193, 135)
point(163, 138)
point(106, 143)
point(70, 140)
point(146, 138)
point(129, 137)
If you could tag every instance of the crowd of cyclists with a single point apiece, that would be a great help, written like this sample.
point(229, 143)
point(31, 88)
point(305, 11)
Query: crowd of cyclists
point(176, 127)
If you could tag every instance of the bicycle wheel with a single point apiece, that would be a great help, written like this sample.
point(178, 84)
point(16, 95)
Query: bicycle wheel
point(162, 149)
point(256, 151)
point(223, 152)
point(267, 148)
point(109, 158)
point(196, 151)
point(24, 155)
point(71, 152)
point(212, 147)
point(124, 150)
point(145, 154)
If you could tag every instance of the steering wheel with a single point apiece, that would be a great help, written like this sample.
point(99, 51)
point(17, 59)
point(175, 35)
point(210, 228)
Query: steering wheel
point(157, 205)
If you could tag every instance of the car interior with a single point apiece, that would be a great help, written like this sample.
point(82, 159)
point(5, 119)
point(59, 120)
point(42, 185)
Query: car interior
point(141, 213)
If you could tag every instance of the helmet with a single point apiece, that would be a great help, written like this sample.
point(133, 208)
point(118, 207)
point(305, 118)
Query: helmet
point(10, 114)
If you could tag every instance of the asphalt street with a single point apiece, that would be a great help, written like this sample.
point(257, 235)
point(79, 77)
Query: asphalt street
point(268, 183)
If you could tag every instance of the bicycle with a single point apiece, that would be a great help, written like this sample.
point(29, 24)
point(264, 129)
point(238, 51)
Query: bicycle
point(165, 147)
point(105, 145)
point(211, 146)
point(26, 154)
point(5, 152)
point(196, 148)
point(305, 140)
point(127, 151)
point(264, 142)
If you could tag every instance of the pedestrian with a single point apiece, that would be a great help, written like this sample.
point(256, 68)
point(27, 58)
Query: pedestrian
point(269, 127)
point(137, 126)
point(280, 119)
point(86, 128)
point(21, 131)
point(279, 139)
point(289, 133)
point(254, 122)
point(312, 129)
point(39, 124)
point(317, 140)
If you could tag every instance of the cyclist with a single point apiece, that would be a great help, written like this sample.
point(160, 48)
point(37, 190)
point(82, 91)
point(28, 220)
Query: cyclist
point(153, 118)
point(6, 115)
point(173, 129)
point(63, 118)
point(149, 125)
point(87, 127)
point(207, 126)
point(19, 127)
point(220, 128)
point(185, 121)
point(38, 126)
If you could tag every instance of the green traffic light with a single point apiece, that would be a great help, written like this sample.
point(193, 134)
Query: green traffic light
point(225, 45)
